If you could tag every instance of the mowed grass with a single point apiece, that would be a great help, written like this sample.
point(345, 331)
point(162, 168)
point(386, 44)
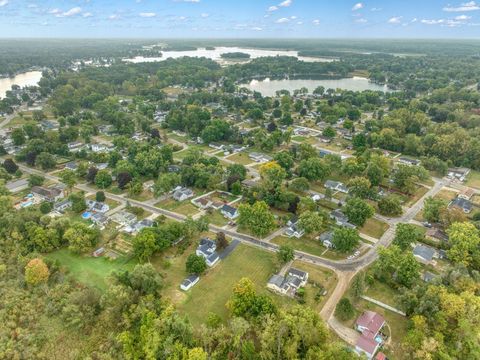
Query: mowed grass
point(374, 228)
point(240, 158)
point(215, 287)
point(473, 179)
point(89, 270)
point(446, 195)
point(304, 244)
point(183, 207)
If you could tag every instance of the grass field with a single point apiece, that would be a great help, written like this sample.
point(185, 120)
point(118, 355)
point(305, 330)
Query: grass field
point(89, 270)
point(446, 195)
point(305, 244)
point(217, 218)
point(240, 158)
point(473, 179)
point(215, 287)
point(183, 207)
point(419, 192)
point(374, 228)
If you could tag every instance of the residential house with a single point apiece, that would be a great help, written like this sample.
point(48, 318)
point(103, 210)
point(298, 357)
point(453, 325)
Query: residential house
point(424, 254)
point(62, 205)
point(189, 282)
point(229, 212)
point(324, 139)
point(369, 324)
point(202, 203)
point(52, 194)
point(437, 234)
point(149, 186)
point(341, 219)
point(293, 230)
point(216, 146)
point(100, 148)
point(99, 219)
point(336, 186)
point(462, 204)
point(408, 161)
point(17, 185)
point(182, 193)
point(288, 284)
point(427, 276)
point(142, 224)
point(458, 173)
point(326, 239)
point(49, 125)
point(467, 193)
point(250, 183)
point(174, 169)
point(324, 153)
point(258, 157)
point(207, 249)
point(124, 218)
point(97, 206)
point(75, 146)
point(72, 166)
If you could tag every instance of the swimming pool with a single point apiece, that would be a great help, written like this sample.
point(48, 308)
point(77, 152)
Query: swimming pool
point(86, 215)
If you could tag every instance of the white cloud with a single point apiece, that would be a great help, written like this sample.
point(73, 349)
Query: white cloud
point(204, 15)
point(285, 3)
point(87, 14)
point(55, 11)
point(3, 3)
point(316, 22)
point(395, 20)
point(414, 20)
point(114, 17)
point(374, 9)
point(32, 6)
point(299, 22)
point(72, 12)
point(468, 6)
point(272, 8)
point(293, 17)
point(257, 28)
point(147, 14)
point(282, 20)
point(442, 22)
point(357, 6)
point(432, 21)
point(361, 21)
point(462, 17)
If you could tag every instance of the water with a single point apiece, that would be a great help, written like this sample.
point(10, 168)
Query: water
point(216, 55)
point(29, 78)
point(269, 87)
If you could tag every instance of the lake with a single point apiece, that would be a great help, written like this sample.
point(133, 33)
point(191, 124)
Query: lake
point(28, 78)
point(269, 87)
point(216, 55)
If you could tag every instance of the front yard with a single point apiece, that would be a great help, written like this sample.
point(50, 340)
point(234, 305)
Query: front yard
point(182, 207)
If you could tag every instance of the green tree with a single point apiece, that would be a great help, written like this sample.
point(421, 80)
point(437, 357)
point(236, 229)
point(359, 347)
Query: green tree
point(46, 207)
point(464, 240)
point(432, 209)
point(18, 136)
point(166, 182)
point(272, 175)
point(46, 161)
point(100, 196)
point(344, 309)
point(390, 206)
point(145, 244)
point(286, 253)
point(81, 238)
point(345, 239)
point(245, 302)
point(257, 218)
point(195, 264)
point(360, 187)
point(35, 180)
point(358, 211)
point(329, 132)
point(313, 169)
point(78, 202)
point(103, 179)
point(310, 221)
point(405, 235)
point(299, 184)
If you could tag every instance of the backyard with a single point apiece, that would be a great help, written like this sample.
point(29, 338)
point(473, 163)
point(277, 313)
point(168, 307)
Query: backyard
point(240, 158)
point(181, 207)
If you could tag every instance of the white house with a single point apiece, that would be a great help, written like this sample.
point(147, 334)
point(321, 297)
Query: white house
point(207, 249)
point(288, 284)
point(182, 193)
point(229, 212)
point(97, 206)
point(336, 186)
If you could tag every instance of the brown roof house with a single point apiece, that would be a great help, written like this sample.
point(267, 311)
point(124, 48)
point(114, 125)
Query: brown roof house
point(369, 324)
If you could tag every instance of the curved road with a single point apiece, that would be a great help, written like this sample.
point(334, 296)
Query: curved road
point(344, 269)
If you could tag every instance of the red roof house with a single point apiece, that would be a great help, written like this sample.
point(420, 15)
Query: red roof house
point(371, 321)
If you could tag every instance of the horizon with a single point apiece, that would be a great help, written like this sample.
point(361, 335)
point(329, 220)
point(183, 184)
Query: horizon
point(214, 19)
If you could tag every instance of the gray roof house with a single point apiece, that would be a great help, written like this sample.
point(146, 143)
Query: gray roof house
point(182, 193)
point(341, 219)
point(336, 186)
point(63, 205)
point(51, 194)
point(408, 161)
point(97, 206)
point(207, 249)
point(72, 166)
point(124, 218)
point(293, 230)
point(144, 223)
point(424, 254)
point(462, 204)
point(288, 284)
point(99, 219)
point(17, 185)
point(326, 239)
point(189, 282)
point(229, 212)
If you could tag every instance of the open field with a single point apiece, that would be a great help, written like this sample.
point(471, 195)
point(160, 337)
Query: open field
point(215, 288)
point(374, 228)
point(89, 270)
point(304, 244)
point(240, 158)
point(183, 207)
point(473, 179)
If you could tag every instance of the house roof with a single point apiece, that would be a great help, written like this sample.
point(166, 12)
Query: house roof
point(424, 252)
point(296, 272)
point(381, 356)
point(366, 344)
point(463, 204)
point(372, 321)
point(326, 236)
point(437, 234)
point(189, 280)
point(46, 192)
point(229, 209)
point(276, 280)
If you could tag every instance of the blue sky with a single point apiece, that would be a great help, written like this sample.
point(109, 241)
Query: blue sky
point(240, 18)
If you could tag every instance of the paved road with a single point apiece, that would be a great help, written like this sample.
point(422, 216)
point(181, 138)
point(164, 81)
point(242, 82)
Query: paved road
point(344, 269)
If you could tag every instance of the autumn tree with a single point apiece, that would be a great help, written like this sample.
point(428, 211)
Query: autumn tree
point(464, 240)
point(257, 218)
point(36, 272)
point(245, 302)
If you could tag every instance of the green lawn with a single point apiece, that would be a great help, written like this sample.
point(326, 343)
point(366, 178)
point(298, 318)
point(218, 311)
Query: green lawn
point(89, 270)
point(419, 192)
point(215, 287)
point(240, 158)
point(382, 292)
point(446, 195)
point(111, 203)
point(217, 218)
point(473, 179)
point(374, 228)
point(183, 207)
point(304, 244)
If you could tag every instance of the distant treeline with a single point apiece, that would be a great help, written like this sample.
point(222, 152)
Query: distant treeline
point(235, 55)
